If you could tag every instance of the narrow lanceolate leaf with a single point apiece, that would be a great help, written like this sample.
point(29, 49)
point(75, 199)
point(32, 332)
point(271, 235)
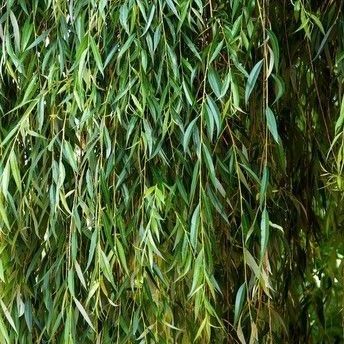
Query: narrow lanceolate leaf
point(96, 55)
point(15, 170)
point(16, 30)
point(194, 227)
point(252, 79)
point(264, 232)
point(92, 248)
point(188, 133)
point(216, 52)
point(3, 215)
point(80, 274)
point(239, 301)
point(110, 55)
point(5, 179)
point(209, 164)
point(8, 315)
point(123, 17)
point(4, 332)
point(279, 87)
point(38, 40)
point(323, 42)
point(271, 123)
point(149, 21)
point(275, 48)
point(214, 82)
point(340, 120)
point(214, 113)
point(263, 186)
point(121, 255)
point(84, 313)
point(70, 155)
point(188, 95)
point(105, 267)
point(171, 5)
point(198, 274)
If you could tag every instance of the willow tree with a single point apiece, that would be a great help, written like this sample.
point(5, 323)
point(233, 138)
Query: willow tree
point(171, 171)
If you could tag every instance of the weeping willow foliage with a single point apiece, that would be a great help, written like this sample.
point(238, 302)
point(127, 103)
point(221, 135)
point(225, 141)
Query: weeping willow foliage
point(171, 171)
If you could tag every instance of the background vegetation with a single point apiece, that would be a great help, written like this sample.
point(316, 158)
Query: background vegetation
point(171, 171)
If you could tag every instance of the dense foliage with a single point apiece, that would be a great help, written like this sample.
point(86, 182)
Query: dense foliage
point(171, 171)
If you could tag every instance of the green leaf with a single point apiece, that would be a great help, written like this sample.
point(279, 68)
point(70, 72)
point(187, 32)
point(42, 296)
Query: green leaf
point(201, 328)
point(97, 56)
point(149, 21)
point(275, 48)
point(250, 261)
point(252, 79)
point(173, 8)
point(121, 255)
point(214, 113)
point(264, 232)
point(187, 134)
point(214, 82)
point(110, 55)
point(239, 301)
point(209, 164)
point(84, 313)
point(3, 331)
point(5, 179)
point(126, 45)
point(263, 186)
point(216, 52)
point(106, 268)
point(318, 23)
point(15, 30)
point(15, 170)
point(70, 155)
point(92, 248)
point(188, 95)
point(195, 220)
point(280, 87)
point(272, 125)
point(8, 315)
point(80, 274)
point(323, 42)
point(82, 66)
point(38, 40)
point(123, 17)
point(197, 275)
point(340, 120)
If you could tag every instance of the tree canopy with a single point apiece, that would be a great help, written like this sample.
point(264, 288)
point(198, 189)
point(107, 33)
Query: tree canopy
point(171, 171)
